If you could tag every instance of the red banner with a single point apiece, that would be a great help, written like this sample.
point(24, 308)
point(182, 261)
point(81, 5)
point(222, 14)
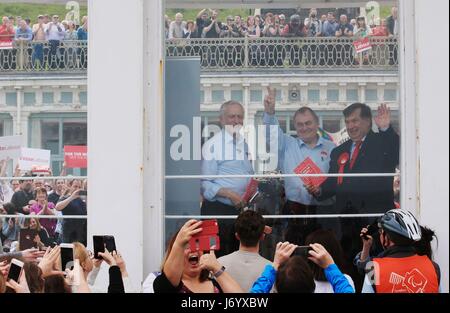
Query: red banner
point(6, 45)
point(309, 167)
point(75, 156)
point(362, 45)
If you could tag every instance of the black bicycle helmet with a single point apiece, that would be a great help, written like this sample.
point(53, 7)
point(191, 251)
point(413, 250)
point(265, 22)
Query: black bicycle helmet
point(401, 222)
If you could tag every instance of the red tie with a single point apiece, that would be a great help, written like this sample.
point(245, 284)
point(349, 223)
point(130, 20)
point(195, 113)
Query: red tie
point(355, 154)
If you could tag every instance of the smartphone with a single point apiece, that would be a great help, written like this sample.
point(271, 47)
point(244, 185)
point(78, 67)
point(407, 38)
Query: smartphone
point(99, 246)
point(15, 270)
point(110, 243)
point(302, 251)
point(26, 239)
point(82, 193)
point(207, 238)
point(371, 230)
point(66, 256)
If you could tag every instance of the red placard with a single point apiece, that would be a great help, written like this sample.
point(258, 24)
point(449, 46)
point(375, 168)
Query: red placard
point(6, 45)
point(309, 167)
point(250, 191)
point(206, 238)
point(75, 156)
point(362, 45)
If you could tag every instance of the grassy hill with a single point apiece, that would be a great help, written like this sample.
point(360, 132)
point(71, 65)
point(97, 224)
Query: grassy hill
point(31, 11)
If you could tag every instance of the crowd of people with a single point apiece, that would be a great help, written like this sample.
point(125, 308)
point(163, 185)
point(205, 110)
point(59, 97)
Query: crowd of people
point(26, 198)
point(53, 42)
point(208, 25)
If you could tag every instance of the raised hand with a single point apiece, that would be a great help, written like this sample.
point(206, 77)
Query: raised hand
point(383, 118)
point(282, 253)
point(320, 256)
point(269, 100)
point(186, 232)
point(209, 261)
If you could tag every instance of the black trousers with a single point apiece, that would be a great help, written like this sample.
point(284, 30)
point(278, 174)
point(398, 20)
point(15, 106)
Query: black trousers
point(228, 241)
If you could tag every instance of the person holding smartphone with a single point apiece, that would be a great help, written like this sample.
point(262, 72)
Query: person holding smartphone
point(293, 275)
point(73, 229)
point(186, 271)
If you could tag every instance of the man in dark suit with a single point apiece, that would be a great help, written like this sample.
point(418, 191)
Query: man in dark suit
point(391, 21)
point(365, 152)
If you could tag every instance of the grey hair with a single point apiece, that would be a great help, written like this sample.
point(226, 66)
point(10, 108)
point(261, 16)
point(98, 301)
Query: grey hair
point(224, 106)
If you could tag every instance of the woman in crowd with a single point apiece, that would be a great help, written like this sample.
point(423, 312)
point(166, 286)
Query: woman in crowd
point(362, 31)
point(43, 207)
point(186, 271)
point(328, 240)
point(91, 267)
point(293, 275)
point(42, 239)
point(10, 226)
point(253, 29)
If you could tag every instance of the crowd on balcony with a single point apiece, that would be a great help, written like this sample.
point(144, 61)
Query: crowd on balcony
point(49, 41)
point(208, 25)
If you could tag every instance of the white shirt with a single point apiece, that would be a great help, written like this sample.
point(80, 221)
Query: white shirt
point(325, 287)
point(53, 33)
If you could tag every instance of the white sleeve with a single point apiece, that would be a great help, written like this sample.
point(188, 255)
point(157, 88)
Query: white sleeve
point(93, 276)
point(147, 286)
point(367, 286)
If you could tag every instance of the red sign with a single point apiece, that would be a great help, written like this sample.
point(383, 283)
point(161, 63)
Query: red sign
point(309, 167)
point(6, 45)
point(362, 45)
point(75, 156)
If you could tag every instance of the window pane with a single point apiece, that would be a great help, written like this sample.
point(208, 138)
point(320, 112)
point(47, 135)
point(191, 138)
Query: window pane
point(237, 95)
point(331, 125)
point(333, 95)
point(313, 95)
point(202, 96)
point(83, 97)
point(255, 95)
point(50, 136)
point(29, 98)
point(278, 96)
point(48, 98)
point(66, 97)
point(11, 98)
point(352, 95)
point(390, 95)
point(217, 96)
point(74, 134)
point(371, 95)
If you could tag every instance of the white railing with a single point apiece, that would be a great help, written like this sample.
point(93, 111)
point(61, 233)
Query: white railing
point(44, 56)
point(249, 54)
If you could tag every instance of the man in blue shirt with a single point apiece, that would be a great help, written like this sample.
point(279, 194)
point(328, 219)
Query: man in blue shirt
point(226, 153)
point(330, 26)
point(293, 151)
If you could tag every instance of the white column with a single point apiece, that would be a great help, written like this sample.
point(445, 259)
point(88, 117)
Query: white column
point(428, 85)
point(362, 92)
point(153, 218)
point(38, 92)
point(116, 154)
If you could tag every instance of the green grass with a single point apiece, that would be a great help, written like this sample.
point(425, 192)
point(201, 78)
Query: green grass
point(31, 11)
point(192, 14)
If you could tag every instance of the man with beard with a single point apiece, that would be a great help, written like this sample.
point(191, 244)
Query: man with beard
point(22, 198)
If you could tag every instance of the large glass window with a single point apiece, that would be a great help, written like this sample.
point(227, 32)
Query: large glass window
point(330, 79)
point(53, 132)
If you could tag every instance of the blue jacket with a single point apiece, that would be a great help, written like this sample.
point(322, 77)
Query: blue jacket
point(334, 276)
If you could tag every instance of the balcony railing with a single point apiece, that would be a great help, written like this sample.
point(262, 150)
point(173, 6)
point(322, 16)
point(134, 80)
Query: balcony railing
point(226, 54)
point(250, 54)
point(47, 56)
